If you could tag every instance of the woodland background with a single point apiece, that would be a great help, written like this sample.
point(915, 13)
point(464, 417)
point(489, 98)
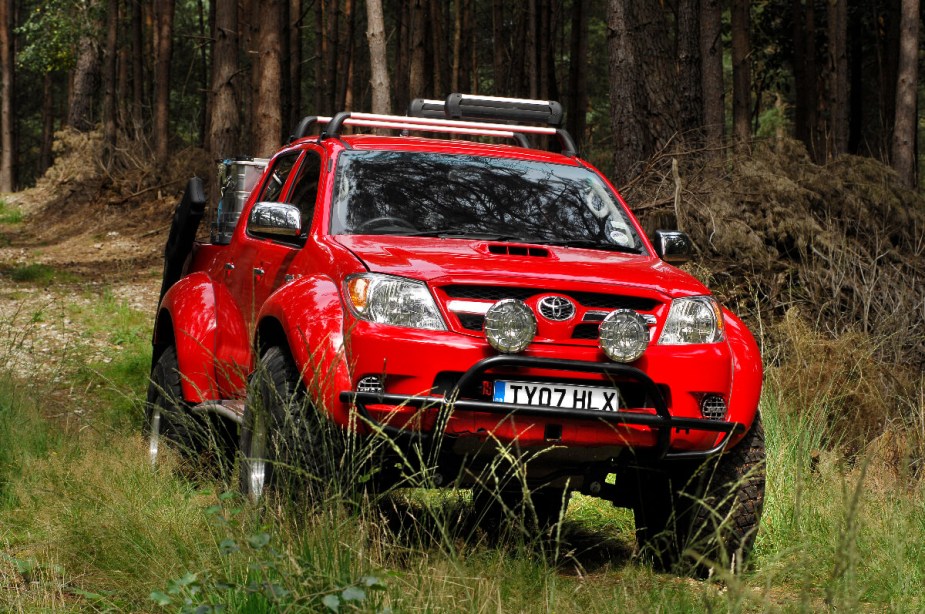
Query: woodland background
point(780, 134)
point(235, 76)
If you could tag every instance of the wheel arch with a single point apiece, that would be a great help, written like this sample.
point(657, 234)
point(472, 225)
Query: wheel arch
point(307, 318)
point(163, 337)
point(747, 373)
point(187, 321)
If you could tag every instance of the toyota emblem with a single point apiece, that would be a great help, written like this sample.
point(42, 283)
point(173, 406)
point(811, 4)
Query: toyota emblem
point(556, 308)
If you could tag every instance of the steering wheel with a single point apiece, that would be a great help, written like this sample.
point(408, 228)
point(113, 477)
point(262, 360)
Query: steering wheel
point(385, 222)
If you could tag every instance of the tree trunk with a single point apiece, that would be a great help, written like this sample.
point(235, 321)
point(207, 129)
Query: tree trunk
point(530, 51)
point(436, 30)
point(86, 78)
point(629, 137)
point(164, 51)
point(856, 88)
point(48, 121)
point(500, 59)
point(295, 62)
point(205, 31)
point(346, 58)
point(109, 80)
point(741, 72)
point(690, 88)
point(811, 84)
point(6, 96)
point(457, 45)
point(905, 129)
point(378, 57)
point(330, 53)
point(838, 76)
point(577, 103)
point(223, 127)
point(267, 116)
point(711, 53)
point(319, 96)
point(473, 30)
point(138, 69)
point(417, 78)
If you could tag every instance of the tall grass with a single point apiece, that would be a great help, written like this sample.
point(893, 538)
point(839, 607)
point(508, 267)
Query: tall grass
point(87, 524)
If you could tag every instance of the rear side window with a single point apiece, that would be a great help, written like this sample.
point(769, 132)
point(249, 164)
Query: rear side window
point(305, 187)
point(278, 176)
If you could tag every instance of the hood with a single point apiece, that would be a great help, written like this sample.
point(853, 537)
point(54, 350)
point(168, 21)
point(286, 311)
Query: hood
point(437, 260)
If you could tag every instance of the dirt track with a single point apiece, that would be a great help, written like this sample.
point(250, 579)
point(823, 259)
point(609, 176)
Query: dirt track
point(40, 331)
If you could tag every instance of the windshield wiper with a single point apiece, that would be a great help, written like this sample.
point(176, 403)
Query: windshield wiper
point(589, 244)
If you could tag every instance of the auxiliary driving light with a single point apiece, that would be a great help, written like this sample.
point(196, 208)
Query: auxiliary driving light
point(624, 335)
point(510, 326)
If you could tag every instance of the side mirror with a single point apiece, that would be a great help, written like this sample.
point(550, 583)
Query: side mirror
point(275, 221)
point(673, 246)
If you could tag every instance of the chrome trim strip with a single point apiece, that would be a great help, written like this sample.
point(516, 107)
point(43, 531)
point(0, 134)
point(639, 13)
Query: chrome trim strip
point(474, 307)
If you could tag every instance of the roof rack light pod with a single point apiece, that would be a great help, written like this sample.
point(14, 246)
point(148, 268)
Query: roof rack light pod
point(459, 106)
point(422, 107)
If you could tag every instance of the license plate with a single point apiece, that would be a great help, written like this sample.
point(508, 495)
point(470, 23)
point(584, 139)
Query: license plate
point(566, 396)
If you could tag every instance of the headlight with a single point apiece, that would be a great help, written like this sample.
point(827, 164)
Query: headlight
point(393, 300)
point(696, 319)
point(624, 336)
point(510, 326)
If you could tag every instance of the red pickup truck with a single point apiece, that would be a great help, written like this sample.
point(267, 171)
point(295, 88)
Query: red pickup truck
point(474, 300)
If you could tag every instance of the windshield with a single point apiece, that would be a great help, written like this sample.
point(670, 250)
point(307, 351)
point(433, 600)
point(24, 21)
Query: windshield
point(429, 194)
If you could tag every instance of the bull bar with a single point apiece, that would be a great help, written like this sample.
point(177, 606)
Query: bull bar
point(662, 421)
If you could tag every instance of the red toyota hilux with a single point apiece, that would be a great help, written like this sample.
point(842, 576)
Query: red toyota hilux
point(490, 310)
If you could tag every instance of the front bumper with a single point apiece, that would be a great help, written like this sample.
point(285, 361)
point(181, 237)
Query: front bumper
point(661, 422)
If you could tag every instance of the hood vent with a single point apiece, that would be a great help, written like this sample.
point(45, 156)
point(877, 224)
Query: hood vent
point(518, 250)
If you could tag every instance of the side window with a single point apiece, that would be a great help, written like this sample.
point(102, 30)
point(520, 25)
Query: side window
point(278, 176)
point(305, 188)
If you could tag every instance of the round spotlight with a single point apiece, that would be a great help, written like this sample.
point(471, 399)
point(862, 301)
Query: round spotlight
point(510, 326)
point(624, 335)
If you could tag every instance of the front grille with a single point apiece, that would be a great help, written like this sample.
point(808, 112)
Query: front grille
point(489, 293)
point(597, 300)
point(471, 321)
point(611, 301)
point(586, 331)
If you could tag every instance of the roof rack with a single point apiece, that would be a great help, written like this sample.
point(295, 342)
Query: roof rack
point(431, 116)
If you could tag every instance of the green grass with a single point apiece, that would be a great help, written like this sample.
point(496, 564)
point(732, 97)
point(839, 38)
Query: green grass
point(38, 274)
point(121, 378)
point(9, 215)
point(87, 525)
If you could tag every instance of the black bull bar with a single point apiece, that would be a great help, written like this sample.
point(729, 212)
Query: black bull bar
point(662, 421)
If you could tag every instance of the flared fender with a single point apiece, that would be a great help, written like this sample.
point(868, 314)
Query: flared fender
point(747, 372)
point(190, 304)
point(213, 362)
point(311, 314)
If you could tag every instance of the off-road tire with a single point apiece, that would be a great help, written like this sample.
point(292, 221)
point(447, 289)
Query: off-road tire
point(693, 518)
point(167, 416)
point(283, 436)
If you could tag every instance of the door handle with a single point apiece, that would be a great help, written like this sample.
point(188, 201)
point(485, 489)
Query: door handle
point(258, 271)
point(229, 266)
